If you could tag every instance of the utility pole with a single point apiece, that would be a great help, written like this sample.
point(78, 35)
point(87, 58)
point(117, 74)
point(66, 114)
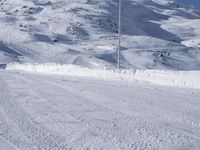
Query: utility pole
point(119, 32)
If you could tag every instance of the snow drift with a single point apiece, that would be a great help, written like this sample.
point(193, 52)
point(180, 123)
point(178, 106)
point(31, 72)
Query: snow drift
point(188, 79)
point(184, 79)
point(73, 70)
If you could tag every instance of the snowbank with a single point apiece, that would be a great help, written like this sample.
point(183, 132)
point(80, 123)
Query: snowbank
point(185, 79)
point(188, 79)
point(73, 70)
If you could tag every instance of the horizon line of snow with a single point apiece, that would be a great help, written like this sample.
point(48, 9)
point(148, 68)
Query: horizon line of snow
point(184, 79)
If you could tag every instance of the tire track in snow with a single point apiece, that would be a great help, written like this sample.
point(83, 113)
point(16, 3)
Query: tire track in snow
point(82, 135)
point(92, 125)
point(108, 130)
point(152, 135)
point(39, 137)
point(125, 131)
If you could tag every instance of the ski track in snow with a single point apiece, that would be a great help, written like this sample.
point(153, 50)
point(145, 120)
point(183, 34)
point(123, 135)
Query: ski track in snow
point(98, 115)
point(40, 138)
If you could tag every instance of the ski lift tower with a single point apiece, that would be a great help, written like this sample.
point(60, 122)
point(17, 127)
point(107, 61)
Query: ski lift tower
point(119, 34)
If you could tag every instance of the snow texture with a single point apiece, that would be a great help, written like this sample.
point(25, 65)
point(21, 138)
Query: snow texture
point(60, 89)
point(185, 79)
point(156, 34)
point(62, 113)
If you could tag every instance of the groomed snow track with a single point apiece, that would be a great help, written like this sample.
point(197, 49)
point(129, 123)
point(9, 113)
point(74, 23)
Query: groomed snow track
point(184, 79)
point(33, 135)
point(42, 112)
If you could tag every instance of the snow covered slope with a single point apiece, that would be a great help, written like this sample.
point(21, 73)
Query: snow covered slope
point(161, 34)
point(62, 113)
point(59, 89)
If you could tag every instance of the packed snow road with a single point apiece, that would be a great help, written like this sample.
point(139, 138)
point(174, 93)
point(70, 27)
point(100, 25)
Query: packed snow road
point(61, 113)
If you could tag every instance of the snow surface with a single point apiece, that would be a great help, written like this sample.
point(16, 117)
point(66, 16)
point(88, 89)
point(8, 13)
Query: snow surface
point(156, 34)
point(62, 113)
point(185, 79)
point(59, 89)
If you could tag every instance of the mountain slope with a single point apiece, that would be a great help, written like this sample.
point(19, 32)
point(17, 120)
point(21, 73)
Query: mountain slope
point(161, 34)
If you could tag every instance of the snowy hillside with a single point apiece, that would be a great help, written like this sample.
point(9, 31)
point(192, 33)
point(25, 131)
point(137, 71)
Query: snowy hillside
point(161, 34)
point(192, 3)
point(60, 88)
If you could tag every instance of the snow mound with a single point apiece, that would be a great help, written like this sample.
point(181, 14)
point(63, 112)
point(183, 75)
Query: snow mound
point(188, 79)
point(184, 79)
point(73, 70)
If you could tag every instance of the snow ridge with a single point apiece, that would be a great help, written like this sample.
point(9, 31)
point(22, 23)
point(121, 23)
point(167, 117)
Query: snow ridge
point(73, 70)
point(184, 79)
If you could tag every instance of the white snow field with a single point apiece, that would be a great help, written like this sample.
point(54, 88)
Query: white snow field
point(60, 89)
point(158, 34)
point(75, 113)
